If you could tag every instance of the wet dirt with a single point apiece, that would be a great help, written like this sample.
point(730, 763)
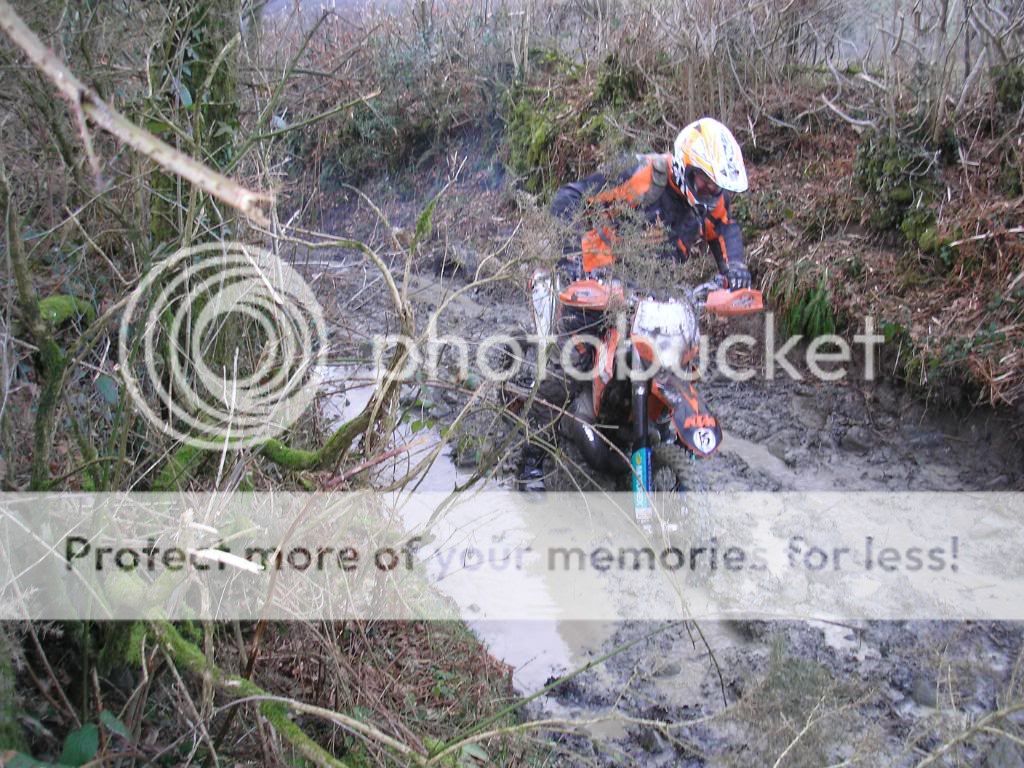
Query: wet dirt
point(885, 692)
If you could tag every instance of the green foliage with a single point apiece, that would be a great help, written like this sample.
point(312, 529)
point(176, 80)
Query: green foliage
point(549, 140)
point(804, 299)
point(424, 223)
point(896, 176)
point(552, 61)
point(57, 310)
point(378, 138)
point(81, 745)
point(812, 314)
point(531, 129)
point(1009, 87)
point(618, 83)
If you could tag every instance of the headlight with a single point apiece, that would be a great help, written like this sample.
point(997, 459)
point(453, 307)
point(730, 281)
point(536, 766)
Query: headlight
point(669, 351)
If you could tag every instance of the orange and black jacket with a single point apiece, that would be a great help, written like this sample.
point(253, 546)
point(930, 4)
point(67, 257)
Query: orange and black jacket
point(651, 188)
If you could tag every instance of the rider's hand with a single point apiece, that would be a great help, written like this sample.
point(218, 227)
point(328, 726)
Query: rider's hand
point(738, 277)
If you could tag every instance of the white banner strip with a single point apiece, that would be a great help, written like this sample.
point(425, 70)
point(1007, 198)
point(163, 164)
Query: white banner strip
point(512, 556)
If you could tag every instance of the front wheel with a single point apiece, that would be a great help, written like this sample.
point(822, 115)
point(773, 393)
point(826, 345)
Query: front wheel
point(675, 468)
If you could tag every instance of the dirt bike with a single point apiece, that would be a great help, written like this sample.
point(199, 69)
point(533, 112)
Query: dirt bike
point(630, 402)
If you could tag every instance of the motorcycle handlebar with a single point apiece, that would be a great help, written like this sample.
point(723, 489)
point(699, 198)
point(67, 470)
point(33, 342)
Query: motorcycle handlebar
point(700, 292)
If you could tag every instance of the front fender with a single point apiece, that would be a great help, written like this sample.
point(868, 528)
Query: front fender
point(694, 425)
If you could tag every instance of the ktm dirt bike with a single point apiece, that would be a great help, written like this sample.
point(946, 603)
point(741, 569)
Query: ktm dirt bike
point(624, 376)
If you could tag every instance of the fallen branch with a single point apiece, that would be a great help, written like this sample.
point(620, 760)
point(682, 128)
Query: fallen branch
point(82, 100)
point(51, 363)
point(371, 463)
point(851, 120)
point(988, 236)
point(188, 655)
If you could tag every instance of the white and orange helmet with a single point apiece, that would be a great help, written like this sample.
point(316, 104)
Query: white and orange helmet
point(708, 146)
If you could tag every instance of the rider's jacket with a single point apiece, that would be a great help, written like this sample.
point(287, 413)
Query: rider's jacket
point(648, 184)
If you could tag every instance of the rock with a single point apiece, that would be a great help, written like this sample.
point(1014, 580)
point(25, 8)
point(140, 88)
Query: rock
point(857, 440)
point(794, 456)
point(778, 448)
point(458, 260)
point(650, 740)
point(1004, 755)
point(922, 691)
point(671, 669)
point(809, 413)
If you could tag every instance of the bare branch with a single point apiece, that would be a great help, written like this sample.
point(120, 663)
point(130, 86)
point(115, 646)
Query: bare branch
point(83, 99)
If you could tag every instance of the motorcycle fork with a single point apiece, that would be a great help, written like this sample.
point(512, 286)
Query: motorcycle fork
point(640, 460)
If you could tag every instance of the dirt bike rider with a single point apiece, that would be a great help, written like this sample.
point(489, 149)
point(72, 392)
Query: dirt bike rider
point(687, 194)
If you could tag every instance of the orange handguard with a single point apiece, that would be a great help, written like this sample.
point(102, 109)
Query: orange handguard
point(726, 303)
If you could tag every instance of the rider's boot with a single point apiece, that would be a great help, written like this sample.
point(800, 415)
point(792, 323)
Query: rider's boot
point(532, 465)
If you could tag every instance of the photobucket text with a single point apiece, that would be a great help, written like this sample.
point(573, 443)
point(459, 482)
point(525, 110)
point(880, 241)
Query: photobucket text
point(579, 356)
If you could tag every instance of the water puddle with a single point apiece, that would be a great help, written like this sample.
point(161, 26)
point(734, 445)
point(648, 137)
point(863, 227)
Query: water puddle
point(543, 649)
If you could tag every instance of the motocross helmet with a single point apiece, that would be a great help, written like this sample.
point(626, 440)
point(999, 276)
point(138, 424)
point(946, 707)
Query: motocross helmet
point(706, 151)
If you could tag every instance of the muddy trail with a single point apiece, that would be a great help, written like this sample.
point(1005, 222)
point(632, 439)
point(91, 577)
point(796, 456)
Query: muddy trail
point(889, 690)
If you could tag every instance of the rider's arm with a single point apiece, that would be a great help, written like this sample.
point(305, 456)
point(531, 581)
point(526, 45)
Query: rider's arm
point(724, 237)
point(569, 198)
point(636, 183)
point(632, 181)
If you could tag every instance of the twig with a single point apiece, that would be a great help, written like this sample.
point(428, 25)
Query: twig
point(980, 725)
point(851, 120)
point(477, 731)
point(80, 97)
point(811, 721)
point(370, 463)
point(188, 655)
point(988, 236)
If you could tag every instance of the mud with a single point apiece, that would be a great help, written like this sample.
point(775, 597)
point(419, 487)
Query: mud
point(873, 693)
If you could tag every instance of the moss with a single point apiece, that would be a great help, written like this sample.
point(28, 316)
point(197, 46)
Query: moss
point(895, 176)
point(618, 83)
point(53, 367)
point(294, 459)
point(1009, 87)
point(10, 731)
point(920, 229)
point(916, 223)
point(530, 133)
point(297, 459)
point(179, 468)
point(57, 310)
point(133, 646)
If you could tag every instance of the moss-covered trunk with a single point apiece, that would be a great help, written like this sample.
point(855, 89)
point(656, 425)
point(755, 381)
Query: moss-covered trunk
point(195, 80)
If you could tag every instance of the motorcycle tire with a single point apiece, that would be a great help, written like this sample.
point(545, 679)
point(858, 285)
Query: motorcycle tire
point(675, 468)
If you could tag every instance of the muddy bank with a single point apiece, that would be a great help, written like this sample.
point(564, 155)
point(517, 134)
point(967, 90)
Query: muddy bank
point(875, 693)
